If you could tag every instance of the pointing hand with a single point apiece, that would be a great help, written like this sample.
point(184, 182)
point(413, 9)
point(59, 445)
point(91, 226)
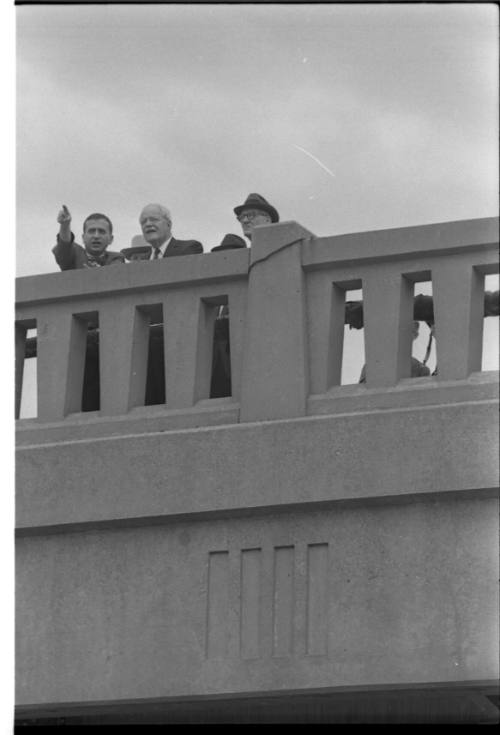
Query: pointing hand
point(64, 215)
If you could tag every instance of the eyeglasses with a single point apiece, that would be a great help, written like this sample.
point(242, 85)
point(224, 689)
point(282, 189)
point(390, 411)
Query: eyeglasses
point(250, 215)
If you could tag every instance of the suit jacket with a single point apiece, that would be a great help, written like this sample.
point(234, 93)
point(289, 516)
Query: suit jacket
point(183, 247)
point(70, 255)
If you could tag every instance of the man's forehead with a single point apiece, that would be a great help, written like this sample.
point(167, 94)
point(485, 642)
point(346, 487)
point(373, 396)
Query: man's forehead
point(96, 222)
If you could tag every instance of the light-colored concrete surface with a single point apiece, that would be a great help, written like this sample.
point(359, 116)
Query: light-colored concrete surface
point(286, 337)
point(296, 536)
point(438, 239)
point(275, 361)
point(362, 596)
point(364, 455)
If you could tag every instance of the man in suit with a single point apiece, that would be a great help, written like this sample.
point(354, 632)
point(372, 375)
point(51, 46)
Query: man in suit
point(156, 224)
point(69, 255)
point(255, 211)
point(97, 235)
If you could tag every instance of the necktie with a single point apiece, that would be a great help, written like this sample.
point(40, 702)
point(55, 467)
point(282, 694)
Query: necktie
point(157, 253)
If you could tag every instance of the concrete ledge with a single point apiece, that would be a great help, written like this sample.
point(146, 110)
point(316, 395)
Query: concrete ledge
point(427, 391)
point(142, 420)
point(135, 277)
point(434, 449)
point(403, 242)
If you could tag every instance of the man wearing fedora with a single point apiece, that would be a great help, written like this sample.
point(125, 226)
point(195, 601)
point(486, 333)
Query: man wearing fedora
point(156, 224)
point(255, 211)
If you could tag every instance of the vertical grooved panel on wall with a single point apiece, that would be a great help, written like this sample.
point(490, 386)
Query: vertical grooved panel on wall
point(250, 603)
point(217, 604)
point(283, 601)
point(317, 599)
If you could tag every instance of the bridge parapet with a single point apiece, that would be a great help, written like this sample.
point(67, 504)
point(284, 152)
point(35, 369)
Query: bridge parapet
point(299, 536)
point(286, 304)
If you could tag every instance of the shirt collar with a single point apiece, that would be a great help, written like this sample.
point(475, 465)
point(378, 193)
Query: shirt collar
point(162, 249)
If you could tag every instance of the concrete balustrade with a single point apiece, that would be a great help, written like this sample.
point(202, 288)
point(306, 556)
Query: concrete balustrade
point(300, 537)
point(286, 299)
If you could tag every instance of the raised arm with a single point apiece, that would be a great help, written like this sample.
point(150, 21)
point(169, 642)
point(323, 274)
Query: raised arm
point(64, 250)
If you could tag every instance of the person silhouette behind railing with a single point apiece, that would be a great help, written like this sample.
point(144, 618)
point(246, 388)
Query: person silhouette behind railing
point(418, 369)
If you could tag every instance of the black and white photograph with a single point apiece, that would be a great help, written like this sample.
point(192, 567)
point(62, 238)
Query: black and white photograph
point(256, 364)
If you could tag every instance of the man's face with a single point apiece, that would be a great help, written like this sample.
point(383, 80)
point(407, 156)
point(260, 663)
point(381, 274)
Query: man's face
point(156, 229)
point(97, 236)
point(249, 218)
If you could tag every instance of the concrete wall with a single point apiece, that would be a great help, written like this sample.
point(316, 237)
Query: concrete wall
point(295, 537)
point(365, 595)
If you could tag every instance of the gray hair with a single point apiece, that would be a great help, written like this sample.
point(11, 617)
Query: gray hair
point(165, 213)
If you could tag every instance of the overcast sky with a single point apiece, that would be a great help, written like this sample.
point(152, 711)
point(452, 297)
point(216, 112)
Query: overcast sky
point(196, 106)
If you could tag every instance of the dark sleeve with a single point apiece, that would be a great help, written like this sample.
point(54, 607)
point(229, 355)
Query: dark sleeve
point(195, 247)
point(65, 253)
point(491, 303)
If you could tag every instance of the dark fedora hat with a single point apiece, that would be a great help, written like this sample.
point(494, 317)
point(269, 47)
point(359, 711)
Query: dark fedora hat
point(229, 242)
point(256, 201)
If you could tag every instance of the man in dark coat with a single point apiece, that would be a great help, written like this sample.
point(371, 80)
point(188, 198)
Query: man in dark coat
point(156, 224)
point(69, 255)
point(97, 235)
point(255, 210)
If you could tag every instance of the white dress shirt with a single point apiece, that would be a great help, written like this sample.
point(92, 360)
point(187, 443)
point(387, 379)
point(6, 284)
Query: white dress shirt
point(161, 248)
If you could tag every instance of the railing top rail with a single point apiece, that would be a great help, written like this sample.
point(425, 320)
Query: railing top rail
point(392, 244)
point(192, 269)
point(403, 242)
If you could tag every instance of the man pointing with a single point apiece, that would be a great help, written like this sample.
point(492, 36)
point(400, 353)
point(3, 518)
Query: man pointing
point(97, 235)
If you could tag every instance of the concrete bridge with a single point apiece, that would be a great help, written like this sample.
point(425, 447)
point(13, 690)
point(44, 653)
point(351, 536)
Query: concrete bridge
point(301, 551)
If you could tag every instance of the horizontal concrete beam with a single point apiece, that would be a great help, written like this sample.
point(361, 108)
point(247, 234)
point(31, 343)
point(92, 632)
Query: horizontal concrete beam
point(433, 449)
point(403, 242)
point(132, 277)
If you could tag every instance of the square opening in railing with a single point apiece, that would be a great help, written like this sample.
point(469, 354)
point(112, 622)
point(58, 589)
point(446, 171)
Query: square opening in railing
point(91, 390)
point(155, 372)
point(423, 353)
point(26, 375)
point(220, 379)
point(353, 350)
point(490, 353)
